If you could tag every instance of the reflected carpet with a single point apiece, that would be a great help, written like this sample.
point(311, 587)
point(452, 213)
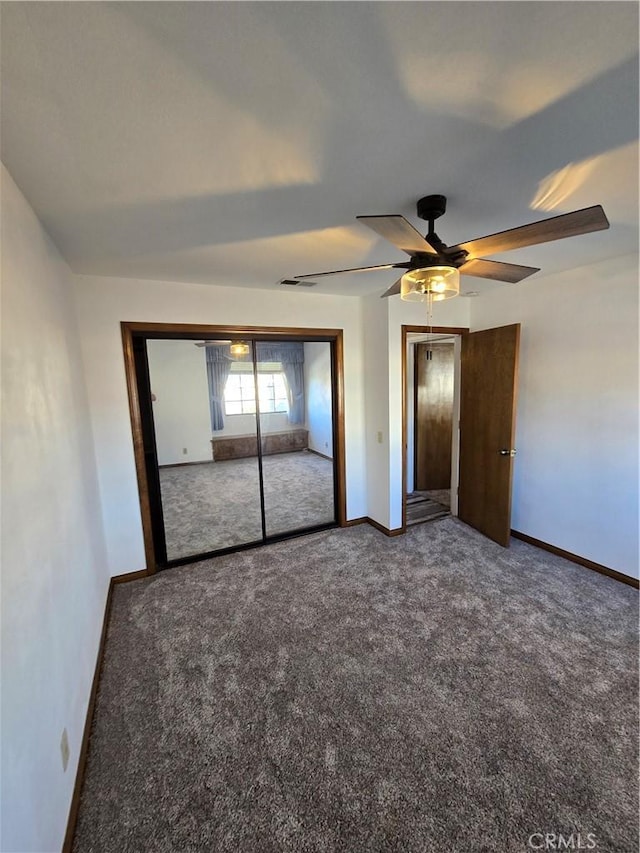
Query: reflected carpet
point(217, 504)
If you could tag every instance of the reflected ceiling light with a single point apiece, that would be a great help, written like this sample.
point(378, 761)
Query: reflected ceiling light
point(239, 348)
point(430, 284)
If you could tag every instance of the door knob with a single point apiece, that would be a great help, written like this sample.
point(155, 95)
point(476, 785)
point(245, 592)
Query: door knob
point(505, 452)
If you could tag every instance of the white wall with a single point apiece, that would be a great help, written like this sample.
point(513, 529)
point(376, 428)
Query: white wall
point(318, 396)
point(54, 575)
point(376, 391)
point(178, 375)
point(576, 472)
point(102, 303)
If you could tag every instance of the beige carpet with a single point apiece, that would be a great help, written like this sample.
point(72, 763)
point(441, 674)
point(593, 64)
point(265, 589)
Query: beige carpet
point(347, 692)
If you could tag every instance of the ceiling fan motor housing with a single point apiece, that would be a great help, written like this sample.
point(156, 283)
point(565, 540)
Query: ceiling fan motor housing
point(432, 207)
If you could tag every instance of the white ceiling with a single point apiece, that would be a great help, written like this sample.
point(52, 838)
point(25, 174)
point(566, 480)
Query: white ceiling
point(235, 143)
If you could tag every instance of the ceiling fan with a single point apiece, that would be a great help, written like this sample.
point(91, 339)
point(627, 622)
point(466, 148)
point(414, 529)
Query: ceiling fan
point(236, 347)
point(434, 268)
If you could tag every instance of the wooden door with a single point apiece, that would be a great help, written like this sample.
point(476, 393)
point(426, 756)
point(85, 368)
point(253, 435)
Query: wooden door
point(434, 374)
point(487, 429)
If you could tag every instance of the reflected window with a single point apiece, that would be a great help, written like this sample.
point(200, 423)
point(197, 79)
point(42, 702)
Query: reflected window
point(273, 392)
point(239, 393)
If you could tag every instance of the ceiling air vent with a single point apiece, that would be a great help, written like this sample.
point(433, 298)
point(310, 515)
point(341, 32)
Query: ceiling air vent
point(292, 282)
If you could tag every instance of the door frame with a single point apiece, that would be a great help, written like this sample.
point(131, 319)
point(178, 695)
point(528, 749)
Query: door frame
point(406, 330)
point(132, 330)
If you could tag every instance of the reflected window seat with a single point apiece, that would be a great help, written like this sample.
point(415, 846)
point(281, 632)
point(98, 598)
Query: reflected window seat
point(241, 446)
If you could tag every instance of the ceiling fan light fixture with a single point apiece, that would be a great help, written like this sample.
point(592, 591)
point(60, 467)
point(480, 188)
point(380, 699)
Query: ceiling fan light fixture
point(239, 348)
point(437, 283)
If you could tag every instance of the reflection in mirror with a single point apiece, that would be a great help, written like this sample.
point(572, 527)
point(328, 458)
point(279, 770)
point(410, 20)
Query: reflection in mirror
point(296, 434)
point(205, 429)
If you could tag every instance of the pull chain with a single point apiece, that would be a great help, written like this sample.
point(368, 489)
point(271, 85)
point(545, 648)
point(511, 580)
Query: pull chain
point(430, 324)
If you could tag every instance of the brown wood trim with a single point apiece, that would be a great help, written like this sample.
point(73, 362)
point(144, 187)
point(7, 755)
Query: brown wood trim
point(514, 412)
point(84, 745)
point(185, 464)
point(339, 449)
point(138, 445)
point(406, 329)
point(196, 331)
point(130, 576)
point(452, 330)
point(366, 520)
point(317, 453)
point(398, 531)
point(581, 561)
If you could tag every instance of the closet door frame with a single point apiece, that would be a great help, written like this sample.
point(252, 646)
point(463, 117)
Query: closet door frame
point(134, 331)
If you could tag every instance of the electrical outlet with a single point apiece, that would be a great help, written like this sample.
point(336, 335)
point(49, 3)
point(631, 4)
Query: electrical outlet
point(326, 445)
point(184, 451)
point(64, 749)
point(379, 436)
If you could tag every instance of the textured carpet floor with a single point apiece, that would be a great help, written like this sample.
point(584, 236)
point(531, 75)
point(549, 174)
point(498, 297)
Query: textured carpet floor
point(217, 504)
point(351, 692)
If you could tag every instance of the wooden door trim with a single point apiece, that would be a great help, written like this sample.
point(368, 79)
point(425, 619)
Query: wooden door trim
point(406, 330)
point(138, 444)
point(339, 449)
point(196, 331)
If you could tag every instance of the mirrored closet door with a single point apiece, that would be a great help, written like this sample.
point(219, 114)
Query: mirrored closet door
point(239, 441)
point(208, 502)
point(296, 434)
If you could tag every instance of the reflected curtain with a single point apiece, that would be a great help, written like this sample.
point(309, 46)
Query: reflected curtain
point(290, 354)
point(218, 368)
point(294, 374)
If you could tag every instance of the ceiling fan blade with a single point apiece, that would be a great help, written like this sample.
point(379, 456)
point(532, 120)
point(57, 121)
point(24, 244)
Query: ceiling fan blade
point(556, 228)
point(355, 269)
point(398, 231)
point(496, 270)
point(395, 288)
